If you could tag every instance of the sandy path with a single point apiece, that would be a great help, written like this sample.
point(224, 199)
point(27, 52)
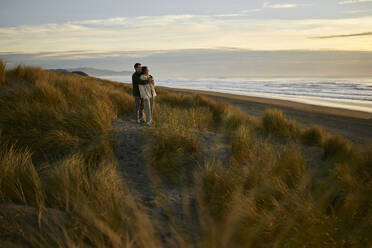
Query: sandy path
point(129, 154)
point(163, 202)
point(167, 204)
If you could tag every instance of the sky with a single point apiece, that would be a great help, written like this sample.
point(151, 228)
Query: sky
point(203, 37)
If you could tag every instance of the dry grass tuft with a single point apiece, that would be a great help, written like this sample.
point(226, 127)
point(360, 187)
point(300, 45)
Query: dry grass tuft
point(19, 180)
point(291, 167)
point(30, 74)
point(337, 148)
point(275, 123)
point(175, 118)
point(234, 118)
point(216, 188)
point(242, 143)
point(172, 153)
point(313, 136)
point(216, 108)
point(175, 99)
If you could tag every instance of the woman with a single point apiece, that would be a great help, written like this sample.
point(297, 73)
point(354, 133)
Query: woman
point(147, 92)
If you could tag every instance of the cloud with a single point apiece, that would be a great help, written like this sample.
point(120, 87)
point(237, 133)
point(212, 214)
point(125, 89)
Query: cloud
point(221, 62)
point(357, 11)
point(283, 6)
point(250, 10)
point(170, 32)
point(354, 1)
point(342, 35)
point(278, 6)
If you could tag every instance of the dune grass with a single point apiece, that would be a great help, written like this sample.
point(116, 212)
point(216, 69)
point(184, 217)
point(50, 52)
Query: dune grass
point(268, 195)
point(216, 189)
point(56, 153)
point(19, 180)
point(337, 148)
point(276, 124)
point(234, 118)
point(242, 143)
point(55, 114)
point(313, 136)
point(172, 153)
point(176, 118)
point(175, 99)
point(99, 210)
point(2, 72)
point(273, 201)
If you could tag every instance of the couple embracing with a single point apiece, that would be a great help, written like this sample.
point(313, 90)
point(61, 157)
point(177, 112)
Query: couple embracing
point(144, 93)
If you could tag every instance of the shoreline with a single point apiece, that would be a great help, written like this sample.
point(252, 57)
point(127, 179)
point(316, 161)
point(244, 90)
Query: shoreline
point(352, 124)
point(280, 102)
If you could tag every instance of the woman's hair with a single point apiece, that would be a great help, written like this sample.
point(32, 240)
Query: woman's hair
point(144, 69)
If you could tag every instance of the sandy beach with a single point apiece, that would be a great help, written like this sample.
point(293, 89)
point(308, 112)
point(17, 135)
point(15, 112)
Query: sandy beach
point(354, 125)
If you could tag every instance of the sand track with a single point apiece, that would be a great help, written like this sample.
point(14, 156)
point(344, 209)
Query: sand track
point(167, 204)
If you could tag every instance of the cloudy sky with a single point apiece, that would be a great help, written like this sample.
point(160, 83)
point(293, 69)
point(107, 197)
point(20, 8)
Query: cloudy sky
point(221, 36)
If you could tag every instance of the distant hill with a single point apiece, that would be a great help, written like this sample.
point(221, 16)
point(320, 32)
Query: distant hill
point(81, 73)
point(101, 72)
point(93, 71)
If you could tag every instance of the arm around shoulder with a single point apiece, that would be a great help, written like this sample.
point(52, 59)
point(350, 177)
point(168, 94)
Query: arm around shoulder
point(143, 80)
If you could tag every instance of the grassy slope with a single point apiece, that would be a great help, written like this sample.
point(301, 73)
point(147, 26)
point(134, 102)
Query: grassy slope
point(282, 186)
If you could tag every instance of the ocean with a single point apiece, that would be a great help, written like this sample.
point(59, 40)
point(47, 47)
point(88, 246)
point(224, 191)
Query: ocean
point(353, 94)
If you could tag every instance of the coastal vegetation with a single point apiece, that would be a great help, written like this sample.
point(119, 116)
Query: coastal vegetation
point(274, 183)
point(2, 72)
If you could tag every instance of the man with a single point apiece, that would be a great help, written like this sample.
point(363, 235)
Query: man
point(139, 103)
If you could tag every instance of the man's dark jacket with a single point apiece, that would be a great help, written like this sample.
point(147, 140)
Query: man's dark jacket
point(136, 81)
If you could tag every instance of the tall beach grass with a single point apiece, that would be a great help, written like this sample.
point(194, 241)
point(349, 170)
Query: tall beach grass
point(56, 153)
point(2, 72)
point(56, 157)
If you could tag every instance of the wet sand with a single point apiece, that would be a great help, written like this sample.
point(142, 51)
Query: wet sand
point(354, 125)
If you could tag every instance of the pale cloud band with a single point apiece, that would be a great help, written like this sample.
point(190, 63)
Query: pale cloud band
point(170, 32)
point(283, 6)
point(342, 35)
point(354, 1)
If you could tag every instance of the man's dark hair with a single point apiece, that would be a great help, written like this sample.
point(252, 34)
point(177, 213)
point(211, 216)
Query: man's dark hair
point(136, 65)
